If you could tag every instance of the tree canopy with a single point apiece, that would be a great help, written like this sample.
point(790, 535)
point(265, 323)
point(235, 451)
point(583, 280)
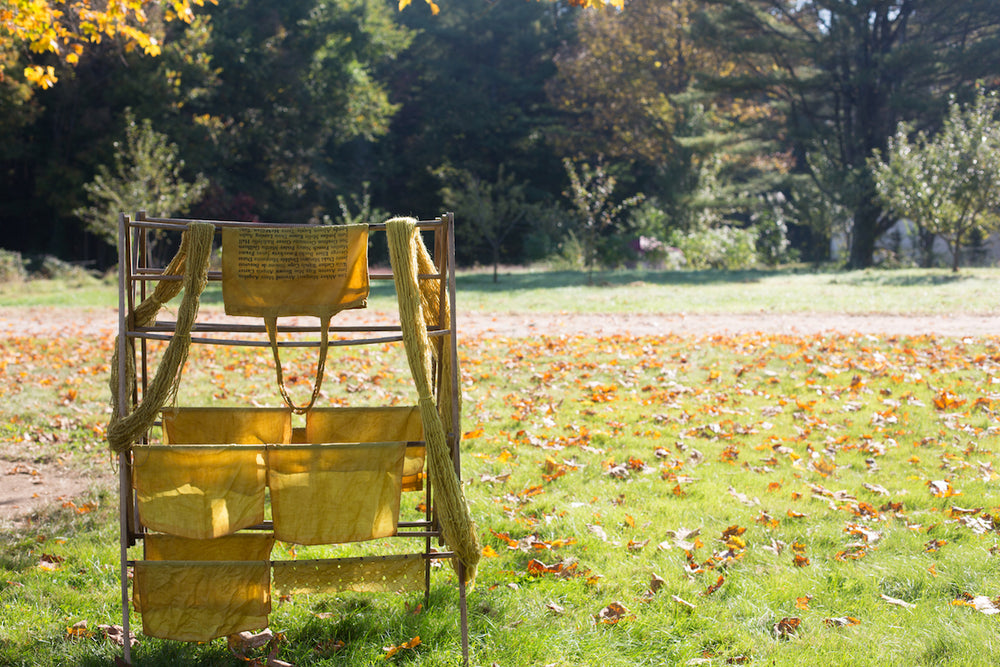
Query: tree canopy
point(722, 112)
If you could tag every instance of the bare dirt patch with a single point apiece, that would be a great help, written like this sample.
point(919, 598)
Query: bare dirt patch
point(29, 485)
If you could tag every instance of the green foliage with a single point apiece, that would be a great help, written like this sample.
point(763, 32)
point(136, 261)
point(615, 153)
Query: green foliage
point(948, 184)
point(146, 175)
point(489, 210)
point(721, 247)
point(12, 268)
point(770, 221)
point(365, 215)
point(591, 194)
point(844, 74)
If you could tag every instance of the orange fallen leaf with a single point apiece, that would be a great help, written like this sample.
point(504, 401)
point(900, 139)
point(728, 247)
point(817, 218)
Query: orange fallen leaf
point(613, 613)
point(393, 650)
point(787, 627)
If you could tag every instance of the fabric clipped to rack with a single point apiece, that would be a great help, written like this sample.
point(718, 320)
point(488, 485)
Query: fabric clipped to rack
point(381, 574)
point(196, 590)
point(323, 494)
point(277, 272)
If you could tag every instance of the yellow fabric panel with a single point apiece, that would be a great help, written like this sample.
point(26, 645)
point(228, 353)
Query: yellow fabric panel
point(227, 426)
point(242, 546)
point(373, 424)
point(273, 272)
point(199, 492)
point(379, 574)
point(330, 494)
point(198, 601)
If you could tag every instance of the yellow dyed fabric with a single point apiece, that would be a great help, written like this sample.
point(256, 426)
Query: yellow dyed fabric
point(330, 494)
point(387, 574)
point(242, 546)
point(227, 426)
point(373, 424)
point(198, 601)
point(274, 272)
point(199, 491)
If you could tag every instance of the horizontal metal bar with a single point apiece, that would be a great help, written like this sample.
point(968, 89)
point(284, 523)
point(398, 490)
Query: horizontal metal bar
point(433, 555)
point(289, 445)
point(346, 342)
point(182, 223)
point(216, 276)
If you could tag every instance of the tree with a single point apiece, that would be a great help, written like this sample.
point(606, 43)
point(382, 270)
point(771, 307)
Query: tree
point(592, 4)
point(591, 194)
point(147, 175)
point(489, 210)
point(65, 30)
point(472, 90)
point(848, 71)
point(616, 80)
point(948, 184)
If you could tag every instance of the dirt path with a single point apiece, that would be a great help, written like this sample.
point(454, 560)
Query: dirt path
point(27, 486)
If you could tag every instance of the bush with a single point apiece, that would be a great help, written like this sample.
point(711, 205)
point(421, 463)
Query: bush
point(12, 268)
point(723, 247)
point(54, 268)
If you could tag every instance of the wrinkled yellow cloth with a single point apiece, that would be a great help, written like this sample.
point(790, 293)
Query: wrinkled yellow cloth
point(199, 491)
point(242, 546)
point(227, 426)
point(196, 590)
point(379, 574)
point(274, 272)
point(281, 271)
point(373, 424)
point(201, 601)
point(330, 494)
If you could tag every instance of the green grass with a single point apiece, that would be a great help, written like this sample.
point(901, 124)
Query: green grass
point(905, 291)
point(586, 453)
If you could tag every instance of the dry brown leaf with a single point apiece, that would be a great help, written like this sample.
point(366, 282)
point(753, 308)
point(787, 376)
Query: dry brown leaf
point(613, 613)
point(840, 621)
point(681, 601)
point(787, 627)
point(898, 602)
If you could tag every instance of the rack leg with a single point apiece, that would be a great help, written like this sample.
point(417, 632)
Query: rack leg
point(123, 513)
point(463, 611)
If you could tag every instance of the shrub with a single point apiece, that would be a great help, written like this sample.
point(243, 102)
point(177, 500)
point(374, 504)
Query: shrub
point(12, 267)
point(723, 247)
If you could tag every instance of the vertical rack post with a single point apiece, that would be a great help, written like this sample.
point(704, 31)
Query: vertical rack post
point(124, 494)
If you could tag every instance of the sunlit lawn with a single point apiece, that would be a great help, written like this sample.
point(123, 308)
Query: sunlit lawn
point(725, 500)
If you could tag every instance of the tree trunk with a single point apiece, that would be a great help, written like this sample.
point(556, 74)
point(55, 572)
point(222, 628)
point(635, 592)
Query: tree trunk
point(863, 235)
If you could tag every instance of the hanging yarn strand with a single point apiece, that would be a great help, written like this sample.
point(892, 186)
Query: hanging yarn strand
point(459, 531)
point(125, 428)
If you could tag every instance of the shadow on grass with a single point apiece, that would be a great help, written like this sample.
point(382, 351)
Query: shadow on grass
point(513, 282)
point(524, 281)
point(890, 279)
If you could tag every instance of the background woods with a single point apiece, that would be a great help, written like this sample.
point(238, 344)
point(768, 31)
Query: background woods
point(748, 127)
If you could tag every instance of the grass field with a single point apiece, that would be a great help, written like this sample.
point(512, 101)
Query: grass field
point(658, 500)
point(910, 291)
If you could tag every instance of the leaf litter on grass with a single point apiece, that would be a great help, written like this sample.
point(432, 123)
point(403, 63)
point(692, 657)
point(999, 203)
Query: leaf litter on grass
point(733, 498)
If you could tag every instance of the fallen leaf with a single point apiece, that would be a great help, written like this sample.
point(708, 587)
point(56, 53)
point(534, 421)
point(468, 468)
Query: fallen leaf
point(786, 627)
point(898, 602)
point(393, 650)
point(840, 621)
point(613, 613)
point(681, 601)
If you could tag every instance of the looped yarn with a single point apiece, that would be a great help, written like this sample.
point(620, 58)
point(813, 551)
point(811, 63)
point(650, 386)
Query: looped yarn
point(192, 259)
point(409, 257)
